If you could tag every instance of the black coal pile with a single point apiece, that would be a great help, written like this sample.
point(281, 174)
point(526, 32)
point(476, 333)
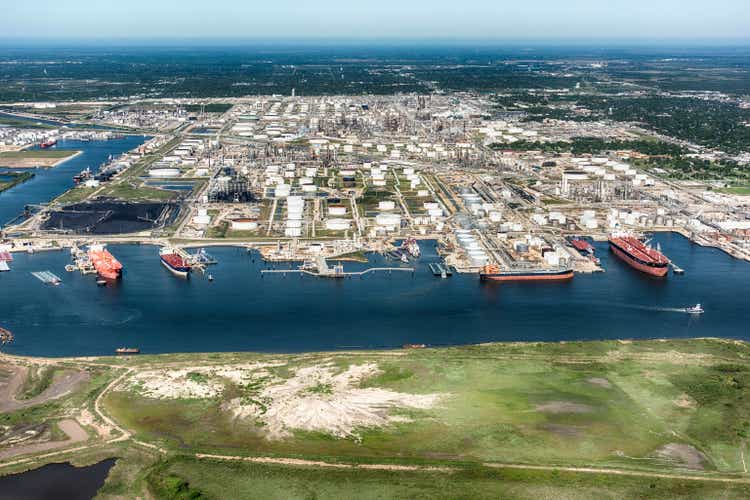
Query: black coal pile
point(111, 217)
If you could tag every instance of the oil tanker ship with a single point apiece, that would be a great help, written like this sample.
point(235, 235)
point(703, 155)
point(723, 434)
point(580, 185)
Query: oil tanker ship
point(491, 272)
point(175, 262)
point(105, 263)
point(638, 255)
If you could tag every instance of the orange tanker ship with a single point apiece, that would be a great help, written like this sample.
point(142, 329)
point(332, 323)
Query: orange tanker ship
point(637, 255)
point(105, 263)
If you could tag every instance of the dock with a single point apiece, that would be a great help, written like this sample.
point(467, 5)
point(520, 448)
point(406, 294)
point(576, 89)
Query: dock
point(320, 269)
point(47, 277)
point(438, 269)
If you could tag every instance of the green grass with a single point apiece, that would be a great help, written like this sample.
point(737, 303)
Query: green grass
point(125, 191)
point(739, 190)
point(74, 195)
point(565, 404)
point(16, 179)
point(180, 477)
point(37, 153)
point(37, 381)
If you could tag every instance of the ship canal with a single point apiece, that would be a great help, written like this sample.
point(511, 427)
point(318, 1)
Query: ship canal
point(245, 310)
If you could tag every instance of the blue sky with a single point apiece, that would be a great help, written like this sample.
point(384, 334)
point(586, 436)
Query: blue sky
point(404, 19)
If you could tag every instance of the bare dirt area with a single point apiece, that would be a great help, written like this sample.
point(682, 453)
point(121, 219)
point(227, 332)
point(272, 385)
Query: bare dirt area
point(35, 158)
point(68, 382)
point(70, 427)
point(684, 455)
point(321, 397)
point(601, 382)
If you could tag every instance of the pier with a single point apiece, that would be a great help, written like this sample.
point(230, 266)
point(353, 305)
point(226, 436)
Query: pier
point(320, 269)
point(47, 277)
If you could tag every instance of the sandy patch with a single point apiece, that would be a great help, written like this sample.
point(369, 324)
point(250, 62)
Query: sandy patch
point(318, 398)
point(684, 455)
point(601, 382)
point(563, 407)
point(685, 401)
point(195, 382)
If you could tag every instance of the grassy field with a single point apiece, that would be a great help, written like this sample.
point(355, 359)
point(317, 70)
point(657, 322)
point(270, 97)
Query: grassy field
point(13, 179)
point(31, 158)
point(641, 419)
point(183, 477)
point(739, 190)
point(37, 153)
point(639, 406)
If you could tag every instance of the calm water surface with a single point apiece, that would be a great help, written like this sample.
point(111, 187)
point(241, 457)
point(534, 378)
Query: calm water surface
point(52, 182)
point(240, 310)
point(56, 482)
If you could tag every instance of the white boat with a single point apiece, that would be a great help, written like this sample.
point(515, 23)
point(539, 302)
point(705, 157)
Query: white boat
point(696, 309)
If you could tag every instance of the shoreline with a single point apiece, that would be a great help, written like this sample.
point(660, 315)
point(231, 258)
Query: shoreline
point(396, 351)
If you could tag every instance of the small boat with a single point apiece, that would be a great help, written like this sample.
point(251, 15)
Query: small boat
point(6, 337)
point(696, 309)
point(414, 346)
point(210, 277)
point(101, 282)
point(127, 350)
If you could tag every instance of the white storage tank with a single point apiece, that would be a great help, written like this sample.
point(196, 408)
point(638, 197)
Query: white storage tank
point(336, 209)
point(338, 224)
point(244, 225)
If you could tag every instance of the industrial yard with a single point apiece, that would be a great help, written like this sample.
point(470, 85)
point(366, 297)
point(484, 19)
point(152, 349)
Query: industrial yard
point(302, 177)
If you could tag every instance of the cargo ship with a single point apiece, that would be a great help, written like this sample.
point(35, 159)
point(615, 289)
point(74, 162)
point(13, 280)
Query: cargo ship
point(128, 350)
point(411, 246)
point(582, 245)
point(175, 262)
point(638, 255)
point(491, 272)
point(105, 263)
point(83, 175)
point(48, 143)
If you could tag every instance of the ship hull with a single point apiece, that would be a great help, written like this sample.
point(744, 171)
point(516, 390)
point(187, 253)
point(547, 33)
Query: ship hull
point(551, 276)
point(109, 275)
point(181, 271)
point(659, 270)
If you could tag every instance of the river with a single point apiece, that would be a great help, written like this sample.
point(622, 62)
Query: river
point(48, 183)
point(244, 311)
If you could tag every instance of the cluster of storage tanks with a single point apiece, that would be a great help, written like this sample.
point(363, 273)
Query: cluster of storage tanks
point(479, 208)
point(618, 218)
point(501, 131)
point(606, 169)
point(280, 179)
point(336, 218)
point(553, 218)
point(184, 155)
point(295, 208)
point(552, 255)
point(472, 248)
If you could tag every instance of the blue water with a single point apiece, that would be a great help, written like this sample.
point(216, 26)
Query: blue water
point(51, 182)
point(242, 311)
point(56, 481)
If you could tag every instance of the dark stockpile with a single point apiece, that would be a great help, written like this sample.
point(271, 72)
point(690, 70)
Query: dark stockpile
point(111, 217)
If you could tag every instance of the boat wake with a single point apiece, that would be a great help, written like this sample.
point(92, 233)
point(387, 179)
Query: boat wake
point(682, 310)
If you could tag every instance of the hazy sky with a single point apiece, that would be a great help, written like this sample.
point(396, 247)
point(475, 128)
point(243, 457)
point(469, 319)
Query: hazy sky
point(493, 19)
